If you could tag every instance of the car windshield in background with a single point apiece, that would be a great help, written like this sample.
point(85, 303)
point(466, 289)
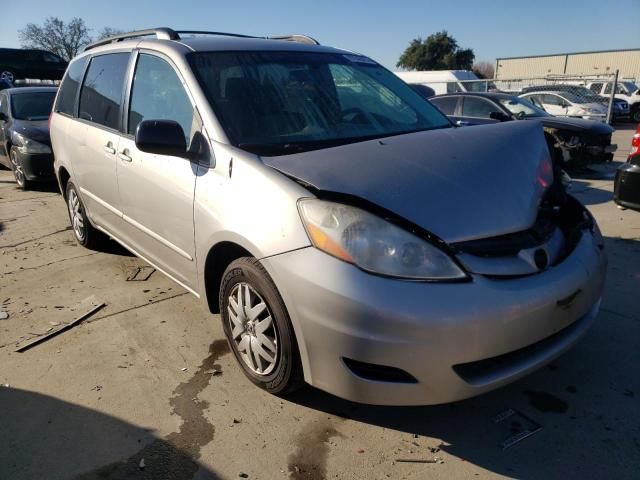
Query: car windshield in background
point(522, 108)
point(32, 105)
point(276, 103)
point(630, 87)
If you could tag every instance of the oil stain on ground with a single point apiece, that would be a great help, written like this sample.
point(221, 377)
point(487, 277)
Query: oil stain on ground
point(545, 402)
point(175, 456)
point(309, 460)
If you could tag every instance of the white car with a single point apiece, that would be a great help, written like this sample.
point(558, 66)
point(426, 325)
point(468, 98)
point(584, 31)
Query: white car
point(567, 104)
point(625, 90)
point(447, 81)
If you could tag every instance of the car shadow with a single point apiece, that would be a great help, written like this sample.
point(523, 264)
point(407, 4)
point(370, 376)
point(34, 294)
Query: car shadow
point(44, 437)
point(588, 194)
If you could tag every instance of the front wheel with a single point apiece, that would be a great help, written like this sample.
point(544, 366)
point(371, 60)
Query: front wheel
point(258, 328)
point(635, 115)
point(18, 171)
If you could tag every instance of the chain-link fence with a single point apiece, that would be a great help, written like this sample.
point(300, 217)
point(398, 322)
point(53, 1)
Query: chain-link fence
point(602, 98)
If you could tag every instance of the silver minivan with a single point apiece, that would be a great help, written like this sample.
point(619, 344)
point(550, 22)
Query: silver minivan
point(349, 236)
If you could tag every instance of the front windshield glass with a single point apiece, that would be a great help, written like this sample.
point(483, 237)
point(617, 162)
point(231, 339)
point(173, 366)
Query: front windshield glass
point(522, 108)
point(32, 105)
point(274, 103)
point(630, 87)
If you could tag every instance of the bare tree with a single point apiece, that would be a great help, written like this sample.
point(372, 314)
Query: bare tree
point(483, 69)
point(108, 32)
point(64, 39)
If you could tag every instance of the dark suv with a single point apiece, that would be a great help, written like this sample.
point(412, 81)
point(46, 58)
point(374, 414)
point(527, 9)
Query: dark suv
point(19, 64)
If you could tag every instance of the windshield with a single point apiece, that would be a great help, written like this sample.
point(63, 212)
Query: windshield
point(522, 108)
point(32, 106)
point(630, 87)
point(275, 103)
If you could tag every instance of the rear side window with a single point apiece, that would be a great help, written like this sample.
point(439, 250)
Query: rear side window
point(477, 107)
point(69, 87)
point(447, 105)
point(101, 94)
point(596, 87)
point(158, 94)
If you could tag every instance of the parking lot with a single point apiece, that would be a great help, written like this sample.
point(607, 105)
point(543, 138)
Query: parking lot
point(147, 385)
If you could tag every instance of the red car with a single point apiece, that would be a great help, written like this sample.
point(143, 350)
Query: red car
point(626, 191)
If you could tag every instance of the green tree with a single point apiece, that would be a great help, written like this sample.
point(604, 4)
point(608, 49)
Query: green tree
point(439, 51)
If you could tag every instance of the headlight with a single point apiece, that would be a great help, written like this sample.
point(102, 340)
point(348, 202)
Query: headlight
point(26, 145)
point(373, 244)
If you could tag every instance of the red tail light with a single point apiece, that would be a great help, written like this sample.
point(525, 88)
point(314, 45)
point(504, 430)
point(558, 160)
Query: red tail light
point(635, 144)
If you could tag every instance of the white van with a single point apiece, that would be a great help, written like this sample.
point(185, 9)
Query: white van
point(446, 81)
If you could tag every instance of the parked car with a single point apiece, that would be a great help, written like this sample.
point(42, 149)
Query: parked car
point(626, 192)
point(567, 104)
point(620, 107)
point(347, 234)
point(25, 146)
point(18, 63)
point(625, 90)
point(575, 142)
point(422, 90)
point(448, 81)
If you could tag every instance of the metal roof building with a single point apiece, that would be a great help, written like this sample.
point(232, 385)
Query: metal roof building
point(577, 63)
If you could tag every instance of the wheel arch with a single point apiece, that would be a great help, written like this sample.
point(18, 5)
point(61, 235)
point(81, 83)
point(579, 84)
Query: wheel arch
point(218, 259)
point(63, 180)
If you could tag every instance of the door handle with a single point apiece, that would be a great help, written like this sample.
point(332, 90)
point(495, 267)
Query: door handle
point(109, 148)
point(124, 156)
point(463, 123)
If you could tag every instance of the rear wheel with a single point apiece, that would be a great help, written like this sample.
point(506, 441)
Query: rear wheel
point(258, 328)
point(85, 234)
point(18, 171)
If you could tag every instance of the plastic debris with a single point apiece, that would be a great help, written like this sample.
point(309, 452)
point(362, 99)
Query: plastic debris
point(521, 432)
point(141, 274)
point(4, 315)
point(184, 369)
point(141, 465)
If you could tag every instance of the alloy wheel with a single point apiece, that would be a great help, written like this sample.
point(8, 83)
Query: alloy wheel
point(253, 330)
point(18, 172)
point(75, 213)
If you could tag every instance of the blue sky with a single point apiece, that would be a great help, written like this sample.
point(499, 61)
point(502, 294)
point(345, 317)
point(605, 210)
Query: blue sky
point(379, 29)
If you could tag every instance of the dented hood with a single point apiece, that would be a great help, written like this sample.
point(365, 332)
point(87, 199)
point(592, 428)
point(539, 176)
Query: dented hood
point(458, 183)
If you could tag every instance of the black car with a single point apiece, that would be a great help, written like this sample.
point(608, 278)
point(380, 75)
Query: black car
point(620, 107)
point(25, 146)
point(422, 90)
point(626, 190)
point(18, 63)
point(575, 142)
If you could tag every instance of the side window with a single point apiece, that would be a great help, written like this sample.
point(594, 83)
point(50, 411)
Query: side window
point(69, 87)
point(477, 107)
point(596, 87)
point(446, 105)
point(158, 94)
point(101, 94)
point(453, 87)
point(607, 88)
point(553, 100)
point(535, 99)
point(50, 58)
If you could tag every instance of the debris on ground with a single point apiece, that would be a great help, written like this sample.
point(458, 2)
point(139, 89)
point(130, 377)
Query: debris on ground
point(243, 475)
point(141, 465)
point(4, 315)
point(521, 426)
point(140, 274)
point(89, 302)
point(415, 460)
point(183, 369)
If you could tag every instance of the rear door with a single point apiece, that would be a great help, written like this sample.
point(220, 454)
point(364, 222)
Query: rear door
point(476, 111)
point(95, 136)
point(157, 190)
point(448, 105)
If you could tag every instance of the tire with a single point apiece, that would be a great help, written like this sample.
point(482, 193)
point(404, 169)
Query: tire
point(84, 233)
point(635, 115)
point(282, 374)
point(18, 172)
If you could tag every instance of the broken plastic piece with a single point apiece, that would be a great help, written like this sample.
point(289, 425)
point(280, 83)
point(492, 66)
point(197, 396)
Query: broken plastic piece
point(141, 274)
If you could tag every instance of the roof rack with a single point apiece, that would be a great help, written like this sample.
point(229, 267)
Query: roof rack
point(297, 38)
point(164, 33)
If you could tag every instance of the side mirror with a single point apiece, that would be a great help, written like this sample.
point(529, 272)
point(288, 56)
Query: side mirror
point(162, 137)
point(500, 116)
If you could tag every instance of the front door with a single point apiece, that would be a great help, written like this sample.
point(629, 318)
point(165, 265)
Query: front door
point(157, 190)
